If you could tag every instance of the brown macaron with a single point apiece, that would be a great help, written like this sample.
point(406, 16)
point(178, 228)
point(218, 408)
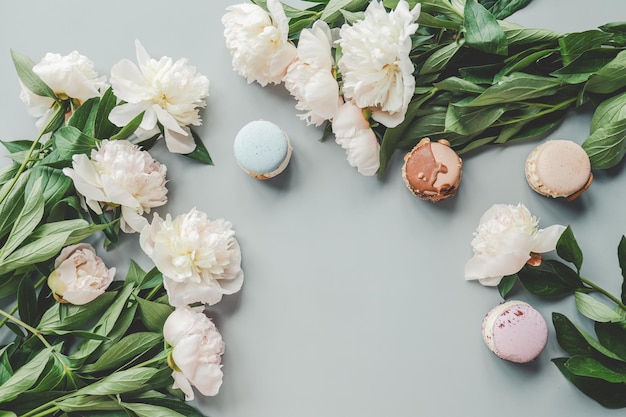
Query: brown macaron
point(559, 168)
point(432, 170)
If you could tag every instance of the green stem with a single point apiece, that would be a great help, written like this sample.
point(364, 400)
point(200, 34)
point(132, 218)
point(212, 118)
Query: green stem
point(153, 292)
point(550, 109)
point(26, 326)
point(43, 413)
point(605, 293)
point(28, 157)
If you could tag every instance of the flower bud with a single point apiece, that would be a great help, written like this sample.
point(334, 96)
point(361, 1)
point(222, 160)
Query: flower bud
point(80, 276)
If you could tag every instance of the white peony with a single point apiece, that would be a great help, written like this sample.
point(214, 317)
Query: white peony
point(504, 240)
point(71, 77)
point(169, 93)
point(376, 68)
point(199, 258)
point(119, 173)
point(353, 132)
point(258, 42)
point(197, 350)
point(79, 275)
point(310, 78)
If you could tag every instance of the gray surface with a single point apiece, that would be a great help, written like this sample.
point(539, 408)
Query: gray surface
point(354, 302)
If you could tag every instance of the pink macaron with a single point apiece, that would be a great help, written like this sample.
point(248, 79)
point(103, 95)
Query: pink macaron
point(515, 331)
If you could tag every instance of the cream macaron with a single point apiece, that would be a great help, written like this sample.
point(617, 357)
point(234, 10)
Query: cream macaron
point(262, 149)
point(432, 170)
point(515, 331)
point(559, 168)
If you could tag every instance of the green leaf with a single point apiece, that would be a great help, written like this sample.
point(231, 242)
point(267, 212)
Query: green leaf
point(520, 35)
point(609, 78)
point(613, 337)
point(103, 128)
point(151, 410)
point(502, 9)
point(153, 314)
point(569, 337)
point(482, 31)
point(591, 367)
point(506, 285)
point(621, 256)
point(25, 377)
point(200, 153)
point(607, 145)
point(594, 309)
point(517, 87)
point(84, 116)
point(75, 316)
point(174, 405)
point(567, 248)
point(575, 44)
point(333, 9)
point(26, 221)
point(466, 120)
point(610, 110)
point(27, 301)
point(70, 141)
point(88, 403)
point(459, 85)
point(24, 67)
point(608, 394)
point(124, 351)
point(551, 278)
point(439, 59)
point(32, 253)
point(135, 274)
point(129, 129)
point(52, 377)
point(119, 382)
point(12, 204)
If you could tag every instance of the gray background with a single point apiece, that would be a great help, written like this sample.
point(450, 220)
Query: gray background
point(354, 301)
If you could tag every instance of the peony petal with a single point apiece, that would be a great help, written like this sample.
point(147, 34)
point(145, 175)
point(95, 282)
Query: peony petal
point(208, 379)
point(181, 382)
point(142, 55)
point(545, 240)
point(177, 143)
point(80, 297)
point(129, 83)
point(167, 120)
point(122, 115)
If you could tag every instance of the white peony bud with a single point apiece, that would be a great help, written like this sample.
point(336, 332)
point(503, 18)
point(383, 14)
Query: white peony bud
point(80, 276)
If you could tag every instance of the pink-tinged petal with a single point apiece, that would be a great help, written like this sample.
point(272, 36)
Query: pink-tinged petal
point(81, 297)
point(181, 382)
point(321, 94)
point(208, 379)
point(132, 221)
point(545, 240)
point(388, 119)
point(363, 152)
point(116, 194)
point(177, 143)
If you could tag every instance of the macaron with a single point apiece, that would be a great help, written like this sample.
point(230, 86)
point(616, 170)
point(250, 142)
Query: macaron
point(515, 331)
point(262, 149)
point(559, 168)
point(432, 170)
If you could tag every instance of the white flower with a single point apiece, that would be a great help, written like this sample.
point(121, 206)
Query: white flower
point(169, 93)
point(70, 77)
point(353, 132)
point(310, 78)
point(258, 41)
point(197, 350)
point(199, 258)
point(119, 173)
point(504, 240)
point(79, 275)
point(377, 71)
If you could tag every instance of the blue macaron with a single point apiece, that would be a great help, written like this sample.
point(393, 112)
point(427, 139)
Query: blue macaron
point(262, 149)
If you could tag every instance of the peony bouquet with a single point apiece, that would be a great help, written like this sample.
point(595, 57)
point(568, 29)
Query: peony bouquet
point(383, 74)
point(86, 340)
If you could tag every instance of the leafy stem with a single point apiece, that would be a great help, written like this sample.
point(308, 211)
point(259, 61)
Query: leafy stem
point(604, 292)
point(25, 326)
point(60, 111)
